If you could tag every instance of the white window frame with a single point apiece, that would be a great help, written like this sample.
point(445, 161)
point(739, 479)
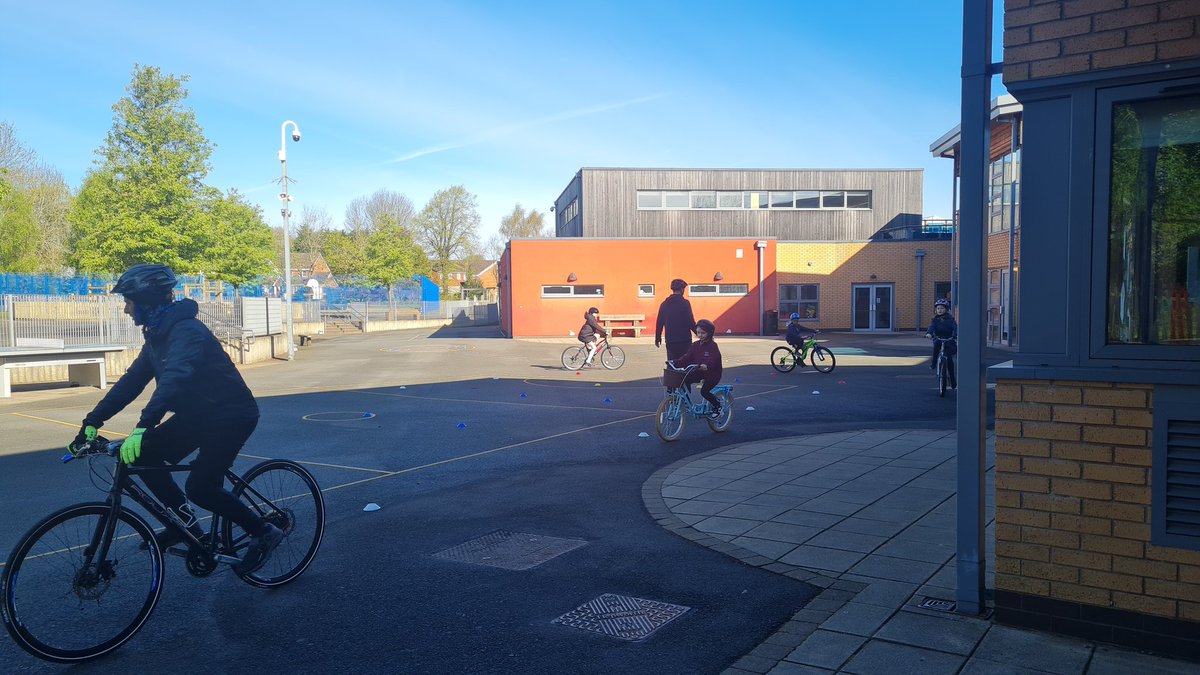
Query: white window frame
point(726, 290)
point(573, 291)
point(645, 290)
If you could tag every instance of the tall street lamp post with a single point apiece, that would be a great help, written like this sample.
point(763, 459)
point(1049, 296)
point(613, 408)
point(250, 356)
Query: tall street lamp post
point(287, 240)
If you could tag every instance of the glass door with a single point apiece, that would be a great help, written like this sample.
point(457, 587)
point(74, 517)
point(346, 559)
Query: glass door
point(873, 307)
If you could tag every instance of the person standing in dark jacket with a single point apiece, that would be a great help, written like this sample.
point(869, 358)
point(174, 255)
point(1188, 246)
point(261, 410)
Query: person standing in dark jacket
point(213, 411)
point(676, 320)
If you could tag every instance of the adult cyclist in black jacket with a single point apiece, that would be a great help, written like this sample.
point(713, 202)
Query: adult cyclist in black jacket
point(214, 411)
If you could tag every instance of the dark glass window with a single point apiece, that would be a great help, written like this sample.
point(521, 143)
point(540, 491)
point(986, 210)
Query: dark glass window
point(1154, 223)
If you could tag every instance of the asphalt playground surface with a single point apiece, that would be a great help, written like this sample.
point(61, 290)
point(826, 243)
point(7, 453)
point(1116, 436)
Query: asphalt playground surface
point(458, 433)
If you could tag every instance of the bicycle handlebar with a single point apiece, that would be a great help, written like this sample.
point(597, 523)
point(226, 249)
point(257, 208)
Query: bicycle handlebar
point(685, 369)
point(99, 446)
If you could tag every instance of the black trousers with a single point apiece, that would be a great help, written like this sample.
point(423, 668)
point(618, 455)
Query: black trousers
point(937, 348)
point(676, 350)
point(706, 387)
point(218, 442)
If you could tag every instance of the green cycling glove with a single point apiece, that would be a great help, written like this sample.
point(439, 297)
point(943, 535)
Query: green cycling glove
point(131, 449)
point(87, 434)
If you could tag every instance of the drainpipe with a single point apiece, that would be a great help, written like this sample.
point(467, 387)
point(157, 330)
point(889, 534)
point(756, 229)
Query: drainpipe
point(761, 246)
point(954, 232)
point(920, 254)
point(1012, 229)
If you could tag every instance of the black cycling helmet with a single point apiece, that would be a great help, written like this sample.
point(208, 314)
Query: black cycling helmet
point(678, 284)
point(941, 302)
point(146, 284)
point(593, 310)
point(708, 326)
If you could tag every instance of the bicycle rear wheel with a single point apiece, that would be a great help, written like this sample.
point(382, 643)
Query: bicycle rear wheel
point(783, 359)
point(668, 420)
point(822, 359)
point(573, 357)
point(287, 496)
point(60, 604)
point(612, 358)
point(722, 423)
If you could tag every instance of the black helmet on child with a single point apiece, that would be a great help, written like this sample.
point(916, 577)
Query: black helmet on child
point(708, 326)
point(149, 284)
point(942, 302)
point(593, 310)
point(678, 284)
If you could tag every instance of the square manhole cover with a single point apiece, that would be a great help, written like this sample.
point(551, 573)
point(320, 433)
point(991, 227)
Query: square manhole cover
point(510, 550)
point(621, 616)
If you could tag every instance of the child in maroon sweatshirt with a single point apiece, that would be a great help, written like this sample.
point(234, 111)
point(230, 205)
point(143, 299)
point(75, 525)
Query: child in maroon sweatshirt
point(705, 353)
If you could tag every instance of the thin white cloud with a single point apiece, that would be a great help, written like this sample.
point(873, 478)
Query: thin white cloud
point(509, 129)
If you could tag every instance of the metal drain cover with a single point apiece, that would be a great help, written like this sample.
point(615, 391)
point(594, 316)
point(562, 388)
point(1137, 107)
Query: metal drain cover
point(621, 616)
point(510, 550)
point(938, 605)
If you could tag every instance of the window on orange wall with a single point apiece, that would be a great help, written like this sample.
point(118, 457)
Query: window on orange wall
point(645, 290)
point(703, 290)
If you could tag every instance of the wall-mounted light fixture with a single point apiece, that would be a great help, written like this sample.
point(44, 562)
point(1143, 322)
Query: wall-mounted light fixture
point(718, 276)
point(873, 277)
point(571, 277)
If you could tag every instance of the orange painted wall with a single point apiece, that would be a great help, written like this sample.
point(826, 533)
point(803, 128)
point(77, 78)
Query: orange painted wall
point(621, 265)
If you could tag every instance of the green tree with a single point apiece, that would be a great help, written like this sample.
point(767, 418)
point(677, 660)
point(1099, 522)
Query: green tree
point(18, 231)
point(139, 204)
point(346, 253)
point(518, 224)
point(47, 193)
point(448, 228)
point(236, 244)
point(392, 255)
point(312, 231)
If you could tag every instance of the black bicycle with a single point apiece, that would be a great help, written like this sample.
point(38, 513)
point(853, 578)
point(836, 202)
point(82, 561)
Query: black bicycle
point(944, 369)
point(83, 581)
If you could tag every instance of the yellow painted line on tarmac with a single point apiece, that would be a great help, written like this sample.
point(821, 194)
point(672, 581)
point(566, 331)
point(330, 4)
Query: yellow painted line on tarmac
point(65, 424)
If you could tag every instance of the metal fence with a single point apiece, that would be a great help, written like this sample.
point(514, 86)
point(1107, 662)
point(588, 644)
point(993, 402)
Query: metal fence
point(76, 320)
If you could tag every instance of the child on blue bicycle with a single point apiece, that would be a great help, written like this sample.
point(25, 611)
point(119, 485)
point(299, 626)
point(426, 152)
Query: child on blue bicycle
point(705, 353)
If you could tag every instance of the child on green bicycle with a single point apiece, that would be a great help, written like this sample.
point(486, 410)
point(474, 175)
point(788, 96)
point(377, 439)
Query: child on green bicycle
point(704, 353)
point(798, 333)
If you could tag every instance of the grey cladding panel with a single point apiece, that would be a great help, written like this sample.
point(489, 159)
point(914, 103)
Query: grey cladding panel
point(1046, 309)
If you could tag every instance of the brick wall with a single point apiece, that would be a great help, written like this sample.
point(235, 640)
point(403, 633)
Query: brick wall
point(1065, 37)
point(1073, 500)
point(837, 266)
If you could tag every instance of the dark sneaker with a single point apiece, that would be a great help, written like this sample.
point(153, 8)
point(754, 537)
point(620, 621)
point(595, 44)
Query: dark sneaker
point(715, 413)
point(259, 550)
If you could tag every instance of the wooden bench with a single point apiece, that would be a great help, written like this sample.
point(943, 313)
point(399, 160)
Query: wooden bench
point(624, 322)
point(85, 363)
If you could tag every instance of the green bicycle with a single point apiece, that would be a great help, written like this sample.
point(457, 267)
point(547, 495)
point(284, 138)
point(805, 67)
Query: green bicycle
point(786, 358)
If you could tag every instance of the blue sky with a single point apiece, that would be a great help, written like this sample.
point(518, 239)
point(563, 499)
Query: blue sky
point(507, 99)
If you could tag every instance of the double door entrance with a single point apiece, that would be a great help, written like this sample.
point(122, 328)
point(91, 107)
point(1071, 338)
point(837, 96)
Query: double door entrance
point(873, 307)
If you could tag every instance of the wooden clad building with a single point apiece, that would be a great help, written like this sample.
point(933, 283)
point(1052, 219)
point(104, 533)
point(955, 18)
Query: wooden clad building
point(789, 204)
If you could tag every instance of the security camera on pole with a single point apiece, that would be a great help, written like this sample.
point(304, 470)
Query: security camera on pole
point(287, 242)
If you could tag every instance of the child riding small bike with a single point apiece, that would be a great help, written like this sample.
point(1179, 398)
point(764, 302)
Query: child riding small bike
point(798, 334)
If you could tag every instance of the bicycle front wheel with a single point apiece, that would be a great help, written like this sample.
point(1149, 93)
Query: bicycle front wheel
point(822, 359)
point(287, 496)
point(573, 357)
point(783, 359)
point(668, 421)
point(612, 358)
point(61, 603)
point(943, 377)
